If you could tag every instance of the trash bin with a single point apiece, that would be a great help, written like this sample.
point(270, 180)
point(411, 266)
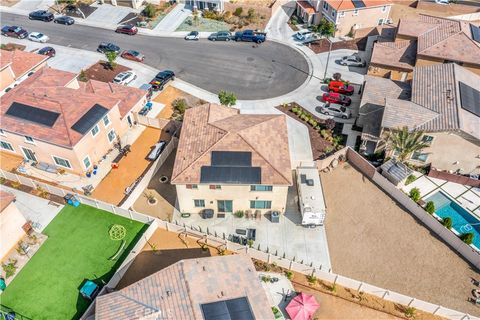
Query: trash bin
point(207, 214)
point(275, 216)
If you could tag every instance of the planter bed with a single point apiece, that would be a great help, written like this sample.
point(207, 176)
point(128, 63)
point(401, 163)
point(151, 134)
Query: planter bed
point(100, 71)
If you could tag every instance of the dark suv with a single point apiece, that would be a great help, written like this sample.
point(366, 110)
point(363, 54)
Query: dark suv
point(161, 79)
point(42, 15)
point(129, 29)
point(220, 36)
point(14, 31)
point(106, 47)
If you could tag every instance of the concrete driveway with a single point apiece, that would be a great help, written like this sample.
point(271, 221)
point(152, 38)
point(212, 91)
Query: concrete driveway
point(107, 12)
point(31, 5)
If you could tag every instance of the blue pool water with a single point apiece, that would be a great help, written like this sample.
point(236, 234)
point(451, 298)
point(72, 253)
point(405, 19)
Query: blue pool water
point(463, 221)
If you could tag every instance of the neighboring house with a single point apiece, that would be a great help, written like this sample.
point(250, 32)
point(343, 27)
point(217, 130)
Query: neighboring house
point(217, 5)
point(53, 119)
point(425, 40)
point(347, 15)
point(444, 103)
point(228, 161)
point(11, 223)
point(221, 287)
point(16, 65)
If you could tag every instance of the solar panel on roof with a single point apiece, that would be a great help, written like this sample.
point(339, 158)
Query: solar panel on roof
point(90, 119)
point(470, 99)
point(233, 309)
point(234, 175)
point(358, 4)
point(231, 158)
point(32, 114)
point(475, 32)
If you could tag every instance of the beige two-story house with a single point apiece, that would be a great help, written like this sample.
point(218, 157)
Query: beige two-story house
point(55, 121)
point(228, 161)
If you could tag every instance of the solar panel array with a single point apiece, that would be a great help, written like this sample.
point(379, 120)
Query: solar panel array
point(470, 99)
point(90, 119)
point(32, 114)
point(233, 175)
point(358, 4)
point(475, 32)
point(231, 158)
point(233, 309)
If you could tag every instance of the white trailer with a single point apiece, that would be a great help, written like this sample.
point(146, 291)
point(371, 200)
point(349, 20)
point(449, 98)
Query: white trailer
point(310, 196)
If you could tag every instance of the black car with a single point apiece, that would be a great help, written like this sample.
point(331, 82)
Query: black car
point(42, 15)
point(220, 36)
point(161, 79)
point(47, 51)
point(14, 31)
point(64, 20)
point(106, 47)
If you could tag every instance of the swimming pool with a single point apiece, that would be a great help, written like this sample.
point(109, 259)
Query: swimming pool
point(463, 221)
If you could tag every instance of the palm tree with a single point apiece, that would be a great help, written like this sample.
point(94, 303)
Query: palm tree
point(404, 142)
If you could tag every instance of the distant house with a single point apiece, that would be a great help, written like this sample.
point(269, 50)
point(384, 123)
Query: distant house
point(444, 103)
point(221, 287)
point(54, 119)
point(347, 15)
point(425, 40)
point(228, 161)
point(11, 223)
point(16, 65)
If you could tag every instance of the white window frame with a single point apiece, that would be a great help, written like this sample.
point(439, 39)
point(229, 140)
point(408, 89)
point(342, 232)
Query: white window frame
point(108, 136)
point(108, 119)
point(325, 6)
point(1, 147)
point(98, 131)
point(29, 140)
point(61, 165)
point(199, 200)
point(2, 133)
point(355, 12)
point(89, 161)
point(334, 13)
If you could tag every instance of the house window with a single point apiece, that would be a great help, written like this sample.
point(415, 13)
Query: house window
point(381, 21)
point(2, 133)
point(95, 130)
point(111, 135)
point(192, 186)
point(260, 204)
point(261, 188)
point(86, 162)
point(199, 203)
point(334, 13)
point(325, 6)
point(355, 12)
point(61, 162)
point(29, 140)
point(215, 187)
point(6, 146)
point(225, 205)
point(427, 139)
point(106, 121)
point(384, 9)
point(419, 156)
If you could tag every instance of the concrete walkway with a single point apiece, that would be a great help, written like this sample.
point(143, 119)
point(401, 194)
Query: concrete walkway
point(173, 19)
point(31, 5)
point(277, 27)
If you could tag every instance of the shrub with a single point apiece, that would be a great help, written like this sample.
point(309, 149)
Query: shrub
point(430, 207)
point(311, 279)
point(410, 179)
point(82, 76)
point(180, 105)
point(150, 10)
point(251, 13)
point(239, 214)
point(312, 122)
point(289, 274)
point(415, 194)
point(238, 12)
point(294, 109)
point(329, 124)
point(111, 57)
point(2, 180)
point(250, 243)
point(10, 268)
point(227, 98)
point(15, 184)
point(410, 312)
point(467, 237)
point(333, 288)
point(447, 222)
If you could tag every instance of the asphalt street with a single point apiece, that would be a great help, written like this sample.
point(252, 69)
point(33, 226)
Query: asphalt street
point(250, 71)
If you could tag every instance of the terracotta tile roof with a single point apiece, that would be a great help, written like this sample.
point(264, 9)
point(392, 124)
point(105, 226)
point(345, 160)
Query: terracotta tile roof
point(417, 25)
point(400, 113)
point(183, 287)
point(45, 89)
point(400, 54)
point(20, 61)
point(306, 6)
point(5, 199)
point(349, 5)
point(212, 127)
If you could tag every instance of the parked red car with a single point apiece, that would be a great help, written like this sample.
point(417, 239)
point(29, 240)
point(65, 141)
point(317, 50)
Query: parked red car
point(129, 29)
point(337, 98)
point(340, 87)
point(133, 55)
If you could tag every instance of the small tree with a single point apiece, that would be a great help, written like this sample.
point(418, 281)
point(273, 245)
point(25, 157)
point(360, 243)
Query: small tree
point(289, 274)
point(83, 76)
point(238, 12)
point(467, 237)
point(430, 207)
point(325, 28)
point(337, 76)
point(111, 57)
point(180, 105)
point(227, 98)
point(10, 268)
point(405, 142)
point(447, 222)
point(251, 14)
point(150, 10)
point(414, 194)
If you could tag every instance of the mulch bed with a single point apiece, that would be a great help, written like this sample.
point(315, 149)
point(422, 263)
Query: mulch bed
point(101, 72)
point(86, 9)
point(322, 45)
point(13, 46)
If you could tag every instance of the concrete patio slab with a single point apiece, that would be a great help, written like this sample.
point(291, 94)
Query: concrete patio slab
point(469, 200)
point(423, 184)
point(454, 189)
point(476, 191)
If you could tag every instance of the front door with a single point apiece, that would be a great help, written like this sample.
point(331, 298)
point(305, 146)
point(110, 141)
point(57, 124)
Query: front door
point(29, 154)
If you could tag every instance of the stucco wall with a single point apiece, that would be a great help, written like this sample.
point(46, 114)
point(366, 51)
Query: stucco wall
point(365, 18)
point(11, 222)
point(241, 196)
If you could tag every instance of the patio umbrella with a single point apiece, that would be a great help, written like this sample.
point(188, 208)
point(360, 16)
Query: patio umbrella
point(302, 307)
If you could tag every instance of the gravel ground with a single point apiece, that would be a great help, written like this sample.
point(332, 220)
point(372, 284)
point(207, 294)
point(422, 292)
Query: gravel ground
point(372, 239)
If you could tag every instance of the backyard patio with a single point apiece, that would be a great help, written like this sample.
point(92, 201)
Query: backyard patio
point(78, 248)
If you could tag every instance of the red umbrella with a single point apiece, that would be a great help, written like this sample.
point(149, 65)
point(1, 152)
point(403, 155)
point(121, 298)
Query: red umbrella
point(302, 307)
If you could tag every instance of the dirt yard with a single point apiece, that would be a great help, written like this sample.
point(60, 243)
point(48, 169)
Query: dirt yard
point(168, 95)
point(372, 239)
point(9, 162)
point(101, 72)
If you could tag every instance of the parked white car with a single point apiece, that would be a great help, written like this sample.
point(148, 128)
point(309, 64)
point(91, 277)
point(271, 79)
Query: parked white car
point(125, 77)
point(304, 35)
point(193, 35)
point(336, 110)
point(38, 37)
point(444, 2)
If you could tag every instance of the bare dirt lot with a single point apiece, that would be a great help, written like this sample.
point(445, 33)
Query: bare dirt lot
point(372, 239)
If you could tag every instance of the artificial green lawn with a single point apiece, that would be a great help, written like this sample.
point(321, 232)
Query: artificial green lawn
point(77, 248)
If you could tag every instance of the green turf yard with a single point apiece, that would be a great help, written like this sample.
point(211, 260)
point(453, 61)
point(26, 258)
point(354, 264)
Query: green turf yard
point(78, 248)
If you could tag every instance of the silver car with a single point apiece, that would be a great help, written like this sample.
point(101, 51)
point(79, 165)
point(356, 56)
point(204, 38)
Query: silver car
point(353, 60)
point(336, 110)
